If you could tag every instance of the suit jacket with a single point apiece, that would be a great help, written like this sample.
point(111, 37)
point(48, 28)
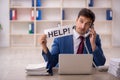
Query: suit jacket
point(65, 45)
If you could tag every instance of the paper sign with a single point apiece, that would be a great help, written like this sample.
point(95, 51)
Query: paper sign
point(59, 31)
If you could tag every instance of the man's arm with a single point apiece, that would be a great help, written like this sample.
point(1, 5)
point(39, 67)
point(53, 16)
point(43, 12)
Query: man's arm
point(52, 57)
point(99, 57)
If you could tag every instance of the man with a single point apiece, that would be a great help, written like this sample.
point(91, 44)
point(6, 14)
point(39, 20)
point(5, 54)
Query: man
point(70, 44)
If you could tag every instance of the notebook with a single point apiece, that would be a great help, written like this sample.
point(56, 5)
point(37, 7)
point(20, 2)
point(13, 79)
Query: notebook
point(75, 63)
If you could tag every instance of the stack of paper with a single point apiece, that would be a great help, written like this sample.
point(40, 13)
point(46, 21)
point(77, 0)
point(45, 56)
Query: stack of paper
point(37, 69)
point(114, 67)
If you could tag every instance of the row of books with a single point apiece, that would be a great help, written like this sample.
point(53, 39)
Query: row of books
point(13, 14)
point(114, 67)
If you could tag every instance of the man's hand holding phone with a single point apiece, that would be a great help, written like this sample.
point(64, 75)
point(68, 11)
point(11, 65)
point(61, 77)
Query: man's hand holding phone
point(92, 38)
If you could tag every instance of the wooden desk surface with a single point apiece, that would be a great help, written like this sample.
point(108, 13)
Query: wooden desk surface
point(14, 61)
point(95, 76)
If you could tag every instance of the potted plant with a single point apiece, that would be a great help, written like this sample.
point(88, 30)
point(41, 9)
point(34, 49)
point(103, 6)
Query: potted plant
point(0, 27)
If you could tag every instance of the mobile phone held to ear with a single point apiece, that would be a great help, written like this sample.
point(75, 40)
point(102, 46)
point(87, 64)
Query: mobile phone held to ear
point(88, 32)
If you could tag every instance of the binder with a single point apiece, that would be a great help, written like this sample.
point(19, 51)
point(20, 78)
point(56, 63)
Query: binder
point(39, 15)
point(91, 3)
point(38, 3)
point(108, 14)
point(63, 14)
point(32, 3)
point(14, 14)
point(11, 14)
point(31, 28)
point(32, 14)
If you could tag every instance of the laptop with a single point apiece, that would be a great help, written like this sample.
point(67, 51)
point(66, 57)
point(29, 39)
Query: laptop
point(75, 63)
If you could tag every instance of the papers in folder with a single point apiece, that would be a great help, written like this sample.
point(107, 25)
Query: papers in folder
point(37, 69)
point(114, 67)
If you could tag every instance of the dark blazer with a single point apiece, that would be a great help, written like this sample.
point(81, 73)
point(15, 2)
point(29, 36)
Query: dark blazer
point(65, 45)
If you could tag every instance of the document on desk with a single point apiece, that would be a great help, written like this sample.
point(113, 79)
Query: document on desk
point(37, 69)
point(114, 67)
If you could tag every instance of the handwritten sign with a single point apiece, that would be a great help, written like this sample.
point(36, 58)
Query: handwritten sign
point(59, 31)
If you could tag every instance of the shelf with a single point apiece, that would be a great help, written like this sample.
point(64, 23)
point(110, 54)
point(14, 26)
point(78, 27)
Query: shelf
point(22, 41)
point(21, 21)
point(51, 3)
point(102, 3)
point(47, 21)
point(19, 28)
point(21, 7)
point(22, 34)
point(20, 3)
point(45, 25)
point(48, 7)
point(99, 7)
point(51, 15)
point(74, 3)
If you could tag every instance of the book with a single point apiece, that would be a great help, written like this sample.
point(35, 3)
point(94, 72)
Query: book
point(32, 3)
point(108, 14)
point(31, 28)
point(39, 15)
point(10, 14)
point(90, 3)
point(63, 14)
point(38, 3)
point(32, 14)
point(14, 14)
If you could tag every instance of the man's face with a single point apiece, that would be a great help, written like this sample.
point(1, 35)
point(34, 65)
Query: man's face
point(83, 24)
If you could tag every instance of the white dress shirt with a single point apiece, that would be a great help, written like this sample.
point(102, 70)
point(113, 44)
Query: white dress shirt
point(76, 40)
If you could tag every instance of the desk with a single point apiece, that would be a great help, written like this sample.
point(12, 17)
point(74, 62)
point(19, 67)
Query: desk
point(95, 76)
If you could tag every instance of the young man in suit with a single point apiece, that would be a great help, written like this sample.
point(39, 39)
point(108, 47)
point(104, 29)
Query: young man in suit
point(70, 44)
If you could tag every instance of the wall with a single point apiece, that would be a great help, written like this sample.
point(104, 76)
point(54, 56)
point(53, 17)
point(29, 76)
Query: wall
point(4, 20)
point(116, 23)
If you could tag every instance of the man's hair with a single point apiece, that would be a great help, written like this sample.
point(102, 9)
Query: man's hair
point(87, 13)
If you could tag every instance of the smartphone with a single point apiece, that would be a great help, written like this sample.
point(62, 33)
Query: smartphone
point(88, 32)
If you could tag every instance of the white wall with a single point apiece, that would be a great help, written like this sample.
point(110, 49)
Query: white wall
point(116, 23)
point(4, 20)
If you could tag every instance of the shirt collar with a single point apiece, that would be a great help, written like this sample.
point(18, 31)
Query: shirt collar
point(76, 34)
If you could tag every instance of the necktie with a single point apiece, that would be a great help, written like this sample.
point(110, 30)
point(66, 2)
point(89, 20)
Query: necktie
point(81, 45)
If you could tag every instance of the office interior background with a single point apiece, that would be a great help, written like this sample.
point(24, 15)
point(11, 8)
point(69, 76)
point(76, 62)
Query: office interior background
point(20, 46)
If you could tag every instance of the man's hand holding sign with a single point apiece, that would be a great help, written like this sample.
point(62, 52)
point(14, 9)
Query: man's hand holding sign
point(54, 33)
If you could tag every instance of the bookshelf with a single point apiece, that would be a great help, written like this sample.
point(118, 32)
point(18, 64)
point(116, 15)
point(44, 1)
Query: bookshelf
point(49, 13)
